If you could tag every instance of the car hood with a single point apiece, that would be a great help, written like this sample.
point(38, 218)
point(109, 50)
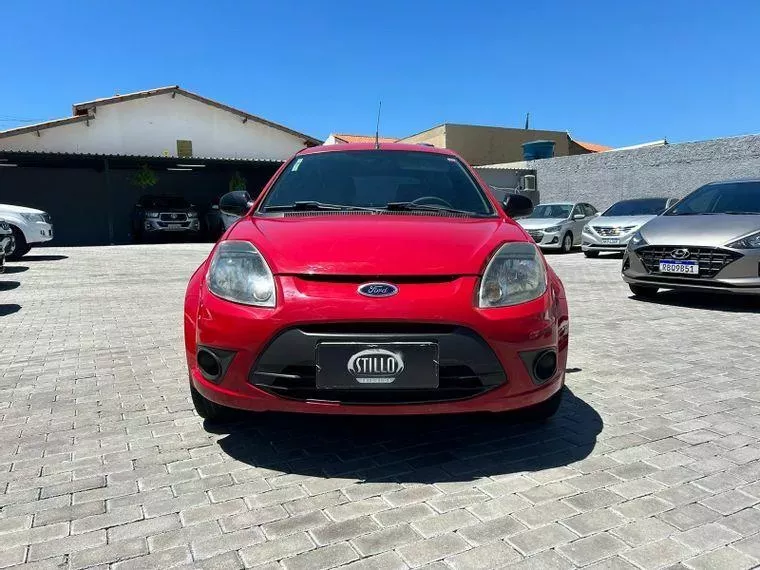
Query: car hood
point(700, 230)
point(620, 221)
point(540, 223)
point(376, 246)
point(13, 209)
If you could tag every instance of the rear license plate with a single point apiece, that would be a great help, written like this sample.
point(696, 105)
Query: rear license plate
point(393, 365)
point(676, 266)
point(611, 241)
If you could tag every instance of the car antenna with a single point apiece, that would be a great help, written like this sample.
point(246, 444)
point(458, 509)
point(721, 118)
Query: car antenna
point(377, 127)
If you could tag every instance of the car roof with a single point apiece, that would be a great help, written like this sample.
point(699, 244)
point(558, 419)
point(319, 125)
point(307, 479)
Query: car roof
point(642, 199)
point(560, 203)
point(382, 146)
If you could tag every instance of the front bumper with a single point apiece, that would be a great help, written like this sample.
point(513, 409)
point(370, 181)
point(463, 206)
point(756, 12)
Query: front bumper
point(151, 226)
point(546, 240)
point(740, 276)
point(38, 232)
point(483, 354)
point(593, 242)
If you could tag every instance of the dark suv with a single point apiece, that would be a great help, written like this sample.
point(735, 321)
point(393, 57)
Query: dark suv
point(161, 215)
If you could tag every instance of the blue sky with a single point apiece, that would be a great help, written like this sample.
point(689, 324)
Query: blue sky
point(609, 72)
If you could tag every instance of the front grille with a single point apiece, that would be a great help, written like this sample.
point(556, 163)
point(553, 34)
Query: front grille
point(175, 217)
point(608, 231)
point(536, 236)
point(711, 259)
point(467, 365)
point(455, 382)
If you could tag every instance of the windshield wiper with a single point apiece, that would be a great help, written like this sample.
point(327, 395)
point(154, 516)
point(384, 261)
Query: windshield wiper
point(409, 206)
point(311, 205)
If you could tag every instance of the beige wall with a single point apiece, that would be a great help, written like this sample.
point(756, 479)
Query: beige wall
point(492, 145)
point(435, 136)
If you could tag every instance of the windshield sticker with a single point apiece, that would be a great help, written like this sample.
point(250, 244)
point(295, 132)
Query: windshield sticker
point(296, 165)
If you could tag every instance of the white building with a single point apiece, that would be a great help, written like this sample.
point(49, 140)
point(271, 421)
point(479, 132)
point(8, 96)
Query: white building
point(168, 121)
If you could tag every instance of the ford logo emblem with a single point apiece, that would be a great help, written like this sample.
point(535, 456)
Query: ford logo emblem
point(375, 366)
point(377, 290)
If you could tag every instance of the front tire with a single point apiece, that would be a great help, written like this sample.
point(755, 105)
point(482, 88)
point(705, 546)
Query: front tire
point(567, 243)
point(591, 254)
point(643, 291)
point(207, 409)
point(21, 249)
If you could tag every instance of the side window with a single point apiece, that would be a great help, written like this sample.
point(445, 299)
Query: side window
point(578, 210)
point(590, 210)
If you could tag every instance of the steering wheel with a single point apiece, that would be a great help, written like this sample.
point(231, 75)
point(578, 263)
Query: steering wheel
point(431, 199)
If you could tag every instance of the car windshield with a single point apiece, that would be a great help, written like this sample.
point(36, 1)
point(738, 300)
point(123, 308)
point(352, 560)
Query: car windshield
point(552, 211)
point(164, 202)
point(649, 206)
point(377, 179)
point(722, 198)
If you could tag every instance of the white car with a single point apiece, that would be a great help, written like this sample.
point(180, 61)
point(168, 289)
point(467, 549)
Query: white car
point(558, 225)
point(30, 227)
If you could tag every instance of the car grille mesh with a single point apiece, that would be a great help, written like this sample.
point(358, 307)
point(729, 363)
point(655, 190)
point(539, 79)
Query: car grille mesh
point(173, 217)
point(711, 259)
point(536, 235)
point(608, 231)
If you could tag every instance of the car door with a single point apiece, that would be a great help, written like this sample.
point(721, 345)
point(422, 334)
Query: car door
point(577, 225)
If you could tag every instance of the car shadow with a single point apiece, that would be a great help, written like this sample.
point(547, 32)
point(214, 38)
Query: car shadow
point(713, 302)
point(411, 449)
point(8, 285)
point(42, 257)
point(15, 269)
point(9, 309)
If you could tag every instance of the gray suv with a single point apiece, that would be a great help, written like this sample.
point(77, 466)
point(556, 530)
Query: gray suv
point(709, 241)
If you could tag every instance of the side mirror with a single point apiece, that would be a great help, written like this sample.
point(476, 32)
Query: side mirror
point(578, 216)
point(516, 205)
point(235, 203)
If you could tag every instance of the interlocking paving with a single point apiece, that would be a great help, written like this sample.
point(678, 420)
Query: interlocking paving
point(652, 461)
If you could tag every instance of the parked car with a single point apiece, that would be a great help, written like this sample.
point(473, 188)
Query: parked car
point(163, 215)
point(7, 243)
point(217, 222)
point(612, 230)
point(375, 281)
point(709, 241)
point(30, 228)
point(558, 225)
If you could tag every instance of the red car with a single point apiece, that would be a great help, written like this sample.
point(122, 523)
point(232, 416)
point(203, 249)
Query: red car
point(375, 280)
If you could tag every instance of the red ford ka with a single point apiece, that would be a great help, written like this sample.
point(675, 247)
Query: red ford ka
point(375, 280)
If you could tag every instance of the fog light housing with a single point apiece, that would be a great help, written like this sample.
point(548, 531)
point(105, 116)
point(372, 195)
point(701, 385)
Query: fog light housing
point(213, 362)
point(545, 366)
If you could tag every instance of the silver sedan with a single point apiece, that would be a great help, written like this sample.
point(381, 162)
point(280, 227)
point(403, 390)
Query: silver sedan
point(558, 225)
point(709, 241)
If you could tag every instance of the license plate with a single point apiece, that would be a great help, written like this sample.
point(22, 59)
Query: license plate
point(393, 365)
point(676, 266)
point(611, 241)
point(174, 226)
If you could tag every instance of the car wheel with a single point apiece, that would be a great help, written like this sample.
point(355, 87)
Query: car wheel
point(21, 248)
point(591, 253)
point(643, 291)
point(567, 243)
point(545, 410)
point(207, 409)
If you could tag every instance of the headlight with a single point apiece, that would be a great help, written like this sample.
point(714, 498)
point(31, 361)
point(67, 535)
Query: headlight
point(749, 242)
point(192, 214)
point(31, 218)
point(239, 273)
point(553, 229)
point(4, 226)
point(637, 240)
point(151, 214)
point(515, 274)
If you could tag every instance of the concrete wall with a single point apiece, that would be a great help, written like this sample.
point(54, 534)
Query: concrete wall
point(435, 136)
point(151, 126)
point(671, 170)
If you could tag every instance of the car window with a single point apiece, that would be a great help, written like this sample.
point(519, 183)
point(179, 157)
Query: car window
point(723, 198)
point(642, 207)
point(590, 210)
point(551, 211)
point(375, 178)
point(579, 210)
